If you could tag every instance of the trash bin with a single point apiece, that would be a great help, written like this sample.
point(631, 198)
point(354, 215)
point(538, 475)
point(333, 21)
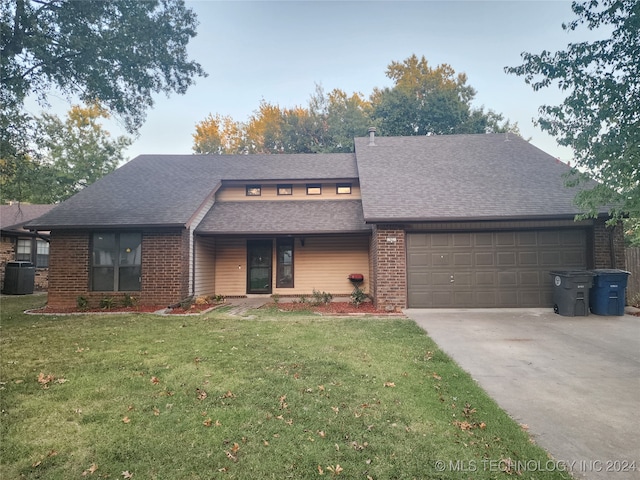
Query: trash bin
point(19, 278)
point(607, 296)
point(571, 292)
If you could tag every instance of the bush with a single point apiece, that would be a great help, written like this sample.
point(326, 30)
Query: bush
point(358, 297)
point(107, 303)
point(82, 303)
point(129, 300)
point(321, 298)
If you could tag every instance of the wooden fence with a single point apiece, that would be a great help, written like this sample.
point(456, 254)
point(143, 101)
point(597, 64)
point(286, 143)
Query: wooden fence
point(632, 258)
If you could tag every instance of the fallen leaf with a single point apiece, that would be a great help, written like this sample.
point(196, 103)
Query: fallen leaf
point(231, 457)
point(229, 394)
point(208, 422)
point(389, 384)
point(320, 470)
point(436, 376)
point(218, 424)
point(90, 470)
point(335, 410)
point(127, 474)
point(155, 380)
point(126, 420)
point(201, 394)
point(156, 412)
point(235, 448)
point(322, 433)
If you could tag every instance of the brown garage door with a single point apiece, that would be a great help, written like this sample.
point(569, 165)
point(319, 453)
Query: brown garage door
point(489, 269)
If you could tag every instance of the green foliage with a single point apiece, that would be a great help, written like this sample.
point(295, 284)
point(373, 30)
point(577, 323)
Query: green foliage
point(424, 100)
point(107, 303)
point(82, 303)
point(320, 298)
point(186, 303)
point(129, 300)
point(599, 117)
point(358, 297)
point(117, 53)
point(276, 298)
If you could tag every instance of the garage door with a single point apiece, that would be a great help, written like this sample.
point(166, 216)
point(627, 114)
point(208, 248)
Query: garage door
point(489, 269)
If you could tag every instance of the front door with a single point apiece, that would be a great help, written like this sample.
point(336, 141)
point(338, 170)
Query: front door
point(259, 255)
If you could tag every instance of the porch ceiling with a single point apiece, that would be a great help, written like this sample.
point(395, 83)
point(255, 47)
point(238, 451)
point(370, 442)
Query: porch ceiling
point(284, 217)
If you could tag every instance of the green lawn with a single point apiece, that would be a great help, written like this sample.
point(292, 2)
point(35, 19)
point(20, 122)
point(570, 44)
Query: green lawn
point(279, 395)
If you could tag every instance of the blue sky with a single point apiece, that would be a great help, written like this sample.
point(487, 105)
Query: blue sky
point(279, 51)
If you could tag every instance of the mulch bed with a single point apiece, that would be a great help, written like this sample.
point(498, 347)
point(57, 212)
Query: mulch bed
point(333, 308)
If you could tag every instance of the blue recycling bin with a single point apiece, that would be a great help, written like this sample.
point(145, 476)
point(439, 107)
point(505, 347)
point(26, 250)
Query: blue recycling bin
point(607, 295)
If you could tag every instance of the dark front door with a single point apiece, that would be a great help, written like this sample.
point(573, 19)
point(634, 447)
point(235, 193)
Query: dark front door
point(259, 255)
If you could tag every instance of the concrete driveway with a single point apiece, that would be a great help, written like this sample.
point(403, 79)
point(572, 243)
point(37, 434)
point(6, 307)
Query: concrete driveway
point(575, 381)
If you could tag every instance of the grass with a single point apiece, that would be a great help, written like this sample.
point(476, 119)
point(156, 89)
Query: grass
point(279, 395)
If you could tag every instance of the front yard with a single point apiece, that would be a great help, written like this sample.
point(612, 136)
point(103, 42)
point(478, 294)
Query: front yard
point(278, 395)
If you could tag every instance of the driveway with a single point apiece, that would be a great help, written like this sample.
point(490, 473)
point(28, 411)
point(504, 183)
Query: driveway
point(575, 381)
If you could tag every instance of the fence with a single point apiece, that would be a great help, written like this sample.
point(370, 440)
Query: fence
point(632, 259)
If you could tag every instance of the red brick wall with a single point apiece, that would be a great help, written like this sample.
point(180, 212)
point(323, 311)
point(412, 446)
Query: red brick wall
point(164, 269)
point(604, 240)
point(390, 267)
point(7, 254)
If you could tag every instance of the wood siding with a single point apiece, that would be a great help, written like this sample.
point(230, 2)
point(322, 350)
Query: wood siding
point(323, 264)
point(204, 274)
point(632, 257)
point(237, 193)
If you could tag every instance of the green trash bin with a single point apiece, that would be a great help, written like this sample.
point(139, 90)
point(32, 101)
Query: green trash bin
point(571, 292)
point(19, 278)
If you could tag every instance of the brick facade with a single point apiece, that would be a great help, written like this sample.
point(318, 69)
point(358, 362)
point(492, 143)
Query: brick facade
point(388, 250)
point(608, 245)
point(8, 254)
point(164, 269)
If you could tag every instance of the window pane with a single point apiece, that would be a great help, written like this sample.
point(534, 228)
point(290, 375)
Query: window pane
point(104, 246)
point(343, 188)
point(23, 250)
point(285, 263)
point(314, 189)
point(129, 278)
point(285, 189)
point(42, 257)
point(253, 190)
point(130, 248)
point(102, 280)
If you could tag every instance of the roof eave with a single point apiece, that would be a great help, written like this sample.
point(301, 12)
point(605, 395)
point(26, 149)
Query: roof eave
point(375, 220)
point(133, 226)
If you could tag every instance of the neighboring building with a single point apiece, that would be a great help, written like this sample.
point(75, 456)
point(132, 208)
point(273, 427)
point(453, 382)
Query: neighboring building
point(439, 221)
point(20, 244)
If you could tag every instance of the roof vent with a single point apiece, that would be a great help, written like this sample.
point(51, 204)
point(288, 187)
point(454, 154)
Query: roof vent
point(372, 136)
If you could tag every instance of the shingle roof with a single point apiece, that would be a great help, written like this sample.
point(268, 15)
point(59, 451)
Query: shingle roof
point(460, 177)
point(284, 217)
point(13, 217)
point(166, 190)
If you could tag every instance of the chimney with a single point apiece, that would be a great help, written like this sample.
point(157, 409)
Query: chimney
point(372, 136)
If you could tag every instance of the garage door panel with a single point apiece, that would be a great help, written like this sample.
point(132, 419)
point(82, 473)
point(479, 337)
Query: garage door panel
point(490, 269)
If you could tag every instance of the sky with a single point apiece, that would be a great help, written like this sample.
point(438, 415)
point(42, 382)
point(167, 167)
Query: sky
point(278, 51)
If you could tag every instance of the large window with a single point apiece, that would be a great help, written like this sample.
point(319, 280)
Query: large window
point(42, 253)
point(115, 262)
point(284, 263)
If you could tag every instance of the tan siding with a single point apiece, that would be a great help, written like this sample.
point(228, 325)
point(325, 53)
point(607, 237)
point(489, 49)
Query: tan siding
point(236, 193)
point(205, 266)
point(323, 264)
point(229, 279)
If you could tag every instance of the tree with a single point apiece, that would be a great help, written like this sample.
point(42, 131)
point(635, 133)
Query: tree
point(600, 117)
point(76, 152)
point(219, 134)
point(118, 53)
point(430, 101)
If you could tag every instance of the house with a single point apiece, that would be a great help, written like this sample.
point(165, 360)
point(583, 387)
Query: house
point(19, 244)
point(436, 221)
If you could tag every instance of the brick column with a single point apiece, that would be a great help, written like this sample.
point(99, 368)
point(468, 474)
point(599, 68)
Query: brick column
point(608, 245)
point(390, 267)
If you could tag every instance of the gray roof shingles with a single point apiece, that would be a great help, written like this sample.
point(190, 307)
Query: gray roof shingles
point(13, 217)
point(460, 177)
point(166, 190)
point(284, 217)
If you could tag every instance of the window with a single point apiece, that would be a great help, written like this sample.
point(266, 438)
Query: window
point(284, 263)
point(285, 189)
point(314, 189)
point(42, 253)
point(115, 262)
point(343, 188)
point(253, 190)
point(23, 250)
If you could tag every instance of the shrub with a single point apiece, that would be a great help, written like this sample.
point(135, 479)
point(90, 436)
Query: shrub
point(358, 297)
point(82, 303)
point(107, 303)
point(129, 300)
